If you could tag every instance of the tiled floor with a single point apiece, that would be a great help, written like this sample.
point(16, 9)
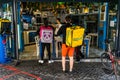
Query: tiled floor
point(88, 70)
point(53, 71)
point(30, 53)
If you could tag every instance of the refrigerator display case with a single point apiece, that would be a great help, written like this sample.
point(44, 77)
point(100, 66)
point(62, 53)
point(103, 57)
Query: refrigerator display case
point(29, 37)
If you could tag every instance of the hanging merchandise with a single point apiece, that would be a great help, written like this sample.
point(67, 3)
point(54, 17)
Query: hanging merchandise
point(5, 26)
point(74, 36)
point(4, 31)
point(2, 50)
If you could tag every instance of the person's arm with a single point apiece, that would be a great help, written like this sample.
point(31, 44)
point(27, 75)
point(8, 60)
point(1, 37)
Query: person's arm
point(38, 31)
point(60, 31)
point(53, 25)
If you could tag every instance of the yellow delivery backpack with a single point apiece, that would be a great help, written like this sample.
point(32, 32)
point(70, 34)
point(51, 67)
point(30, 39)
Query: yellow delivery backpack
point(74, 36)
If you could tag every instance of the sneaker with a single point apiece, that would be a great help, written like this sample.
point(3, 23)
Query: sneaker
point(41, 61)
point(77, 61)
point(71, 72)
point(52, 61)
point(65, 71)
point(49, 61)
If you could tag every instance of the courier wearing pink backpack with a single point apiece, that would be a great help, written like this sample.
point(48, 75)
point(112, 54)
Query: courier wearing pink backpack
point(46, 38)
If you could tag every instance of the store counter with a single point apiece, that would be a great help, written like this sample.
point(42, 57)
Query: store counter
point(29, 36)
point(93, 36)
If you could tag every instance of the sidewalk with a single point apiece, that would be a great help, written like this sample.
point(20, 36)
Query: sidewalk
point(8, 72)
point(32, 70)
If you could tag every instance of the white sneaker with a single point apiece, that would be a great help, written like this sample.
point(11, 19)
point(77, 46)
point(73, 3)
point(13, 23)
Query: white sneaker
point(41, 61)
point(50, 61)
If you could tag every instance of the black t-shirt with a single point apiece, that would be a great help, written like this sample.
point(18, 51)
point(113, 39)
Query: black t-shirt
point(62, 31)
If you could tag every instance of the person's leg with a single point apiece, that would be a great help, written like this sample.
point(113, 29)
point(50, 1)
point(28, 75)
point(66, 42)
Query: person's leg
point(59, 45)
point(56, 44)
point(64, 52)
point(63, 63)
point(77, 54)
point(77, 51)
point(42, 53)
point(70, 54)
point(48, 50)
point(80, 53)
point(71, 63)
point(43, 48)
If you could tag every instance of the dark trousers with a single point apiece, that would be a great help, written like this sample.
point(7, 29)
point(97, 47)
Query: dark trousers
point(78, 53)
point(47, 45)
point(59, 45)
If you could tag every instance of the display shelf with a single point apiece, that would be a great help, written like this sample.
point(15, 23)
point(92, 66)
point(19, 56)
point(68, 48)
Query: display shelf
point(112, 14)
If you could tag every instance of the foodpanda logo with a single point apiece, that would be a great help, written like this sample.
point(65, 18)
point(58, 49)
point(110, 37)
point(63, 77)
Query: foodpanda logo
point(47, 36)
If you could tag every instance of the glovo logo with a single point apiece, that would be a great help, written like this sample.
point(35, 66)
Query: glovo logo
point(76, 39)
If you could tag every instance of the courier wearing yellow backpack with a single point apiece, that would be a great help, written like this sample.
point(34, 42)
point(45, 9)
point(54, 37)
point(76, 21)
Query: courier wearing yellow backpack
point(66, 50)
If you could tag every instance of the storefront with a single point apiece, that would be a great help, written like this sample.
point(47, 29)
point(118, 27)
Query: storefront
point(93, 16)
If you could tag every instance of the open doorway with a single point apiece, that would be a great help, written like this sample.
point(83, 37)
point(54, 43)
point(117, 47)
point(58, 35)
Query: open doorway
point(83, 14)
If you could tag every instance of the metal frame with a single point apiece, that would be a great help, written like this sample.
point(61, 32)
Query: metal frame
point(117, 42)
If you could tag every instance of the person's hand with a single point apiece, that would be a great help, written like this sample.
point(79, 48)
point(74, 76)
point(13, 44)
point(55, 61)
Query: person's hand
point(55, 35)
point(53, 25)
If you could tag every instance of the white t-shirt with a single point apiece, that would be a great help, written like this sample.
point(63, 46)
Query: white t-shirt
point(57, 28)
point(58, 38)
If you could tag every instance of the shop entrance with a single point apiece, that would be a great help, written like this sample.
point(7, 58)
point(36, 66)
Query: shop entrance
point(87, 15)
point(91, 16)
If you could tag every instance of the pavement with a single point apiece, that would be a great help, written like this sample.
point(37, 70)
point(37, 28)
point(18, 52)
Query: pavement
point(32, 70)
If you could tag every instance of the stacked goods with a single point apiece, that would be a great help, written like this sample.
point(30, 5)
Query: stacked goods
point(5, 25)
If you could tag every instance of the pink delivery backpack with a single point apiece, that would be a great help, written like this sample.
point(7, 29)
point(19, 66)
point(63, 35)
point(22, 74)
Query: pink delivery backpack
point(46, 34)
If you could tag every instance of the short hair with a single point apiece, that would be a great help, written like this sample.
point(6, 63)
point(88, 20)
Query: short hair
point(68, 18)
point(46, 22)
point(59, 19)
